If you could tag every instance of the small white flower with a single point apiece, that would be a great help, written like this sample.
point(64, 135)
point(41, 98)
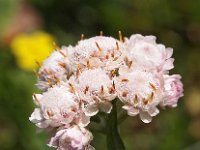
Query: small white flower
point(72, 138)
point(140, 92)
point(99, 51)
point(55, 68)
point(96, 89)
point(58, 107)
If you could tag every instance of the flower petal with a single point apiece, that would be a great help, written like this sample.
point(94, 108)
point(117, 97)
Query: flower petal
point(85, 120)
point(133, 112)
point(105, 107)
point(43, 124)
point(91, 110)
point(36, 99)
point(36, 116)
point(153, 111)
point(168, 64)
point(54, 141)
point(145, 117)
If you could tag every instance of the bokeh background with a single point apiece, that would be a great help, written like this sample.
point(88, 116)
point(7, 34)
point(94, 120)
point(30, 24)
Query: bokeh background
point(28, 29)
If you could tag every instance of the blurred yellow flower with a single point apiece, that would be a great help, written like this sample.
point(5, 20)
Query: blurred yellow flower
point(29, 48)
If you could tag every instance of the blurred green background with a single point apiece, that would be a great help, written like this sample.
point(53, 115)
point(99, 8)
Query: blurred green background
point(176, 23)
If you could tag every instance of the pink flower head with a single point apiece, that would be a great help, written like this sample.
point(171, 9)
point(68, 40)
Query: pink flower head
point(173, 89)
point(72, 138)
point(140, 92)
point(147, 52)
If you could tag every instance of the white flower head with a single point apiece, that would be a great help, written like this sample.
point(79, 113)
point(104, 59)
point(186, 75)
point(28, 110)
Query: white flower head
point(57, 107)
point(96, 89)
point(55, 68)
point(72, 138)
point(99, 51)
point(140, 92)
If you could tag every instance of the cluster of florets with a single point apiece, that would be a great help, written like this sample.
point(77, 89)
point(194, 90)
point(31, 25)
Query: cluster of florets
point(78, 82)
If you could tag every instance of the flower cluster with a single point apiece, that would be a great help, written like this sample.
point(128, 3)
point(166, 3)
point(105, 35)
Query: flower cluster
point(78, 82)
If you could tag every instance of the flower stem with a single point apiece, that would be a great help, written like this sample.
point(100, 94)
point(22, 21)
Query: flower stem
point(122, 115)
point(114, 141)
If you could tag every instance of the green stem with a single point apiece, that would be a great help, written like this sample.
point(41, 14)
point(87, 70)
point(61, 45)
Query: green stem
point(122, 115)
point(114, 141)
